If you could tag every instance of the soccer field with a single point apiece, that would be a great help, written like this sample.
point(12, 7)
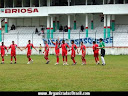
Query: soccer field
point(41, 77)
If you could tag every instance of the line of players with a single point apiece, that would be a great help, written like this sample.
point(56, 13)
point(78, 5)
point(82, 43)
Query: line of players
point(65, 49)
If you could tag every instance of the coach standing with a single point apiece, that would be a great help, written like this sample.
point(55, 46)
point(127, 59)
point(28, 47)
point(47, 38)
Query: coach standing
point(102, 47)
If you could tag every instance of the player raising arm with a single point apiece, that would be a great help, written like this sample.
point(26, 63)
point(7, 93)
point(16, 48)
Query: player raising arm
point(96, 52)
point(73, 52)
point(83, 48)
point(46, 52)
point(57, 50)
point(13, 47)
point(2, 49)
point(64, 47)
point(29, 51)
point(102, 47)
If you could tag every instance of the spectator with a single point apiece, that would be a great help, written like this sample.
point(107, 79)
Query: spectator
point(110, 1)
point(42, 30)
point(61, 28)
point(40, 49)
point(36, 31)
point(82, 28)
point(93, 2)
point(66, 28)
point(13, 27)
point(120, 1)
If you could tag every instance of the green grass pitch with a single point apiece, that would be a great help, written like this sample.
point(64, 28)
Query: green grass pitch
point(41, 77)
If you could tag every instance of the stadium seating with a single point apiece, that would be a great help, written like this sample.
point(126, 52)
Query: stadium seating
point(22, 34)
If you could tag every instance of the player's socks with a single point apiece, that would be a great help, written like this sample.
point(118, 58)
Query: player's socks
point(84, 61)
point(103, 61)
point(96, 59)
point(66, 58)
point(46, 59)
point(63, 58)
point(11, 59)
point(15, 60)
point(29, 59)
point(2, 59)
point(57, 59)
point(73, 60)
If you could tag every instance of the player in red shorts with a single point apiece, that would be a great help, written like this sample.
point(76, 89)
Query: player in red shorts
point(57, 50)
point(13, 47)
point(46, 52)
point(96, 52)
point(29, 51)
point(73, 52)
point(83, 48)
point(64, 47)
point(2, 48)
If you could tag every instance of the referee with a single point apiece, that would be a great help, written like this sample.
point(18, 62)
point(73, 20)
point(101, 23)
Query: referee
point(102, 47)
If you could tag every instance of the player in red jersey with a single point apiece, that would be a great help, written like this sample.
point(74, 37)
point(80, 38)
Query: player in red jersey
point(46, 52)
point(96, 52)
point(29, 51)
point(2, 49)
point(13, 47)
point(64, 47)
point(57, 50)
point(73, 52)
point(83, 48)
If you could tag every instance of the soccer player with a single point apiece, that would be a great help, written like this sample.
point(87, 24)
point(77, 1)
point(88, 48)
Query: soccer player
point(46, 51)
point(64, 47)
point(96, 52)
point(2, 48)
point(13, 47)
point(73, 52)
point(57, 50)
point(102, 47)
point(29, 51)
point(83, 48)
